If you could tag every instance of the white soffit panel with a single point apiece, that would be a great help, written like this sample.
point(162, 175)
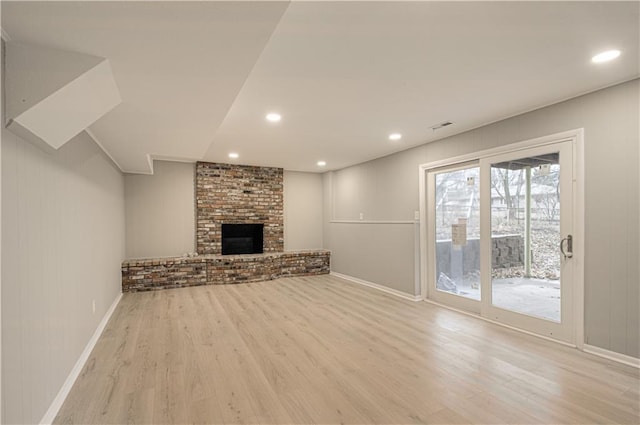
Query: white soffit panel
point(53, 95)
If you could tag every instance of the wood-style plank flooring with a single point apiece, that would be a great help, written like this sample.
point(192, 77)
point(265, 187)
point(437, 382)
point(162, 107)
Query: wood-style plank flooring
point(323, 350)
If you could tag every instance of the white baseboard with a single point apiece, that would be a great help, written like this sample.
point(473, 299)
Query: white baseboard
point(55, 406)
point(612, 355)
point(382, 288)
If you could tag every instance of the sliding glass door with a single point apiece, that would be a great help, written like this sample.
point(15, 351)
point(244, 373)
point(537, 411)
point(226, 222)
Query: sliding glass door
point(500, 238)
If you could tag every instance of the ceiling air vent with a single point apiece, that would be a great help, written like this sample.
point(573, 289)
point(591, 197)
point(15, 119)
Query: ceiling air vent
point(439, 126)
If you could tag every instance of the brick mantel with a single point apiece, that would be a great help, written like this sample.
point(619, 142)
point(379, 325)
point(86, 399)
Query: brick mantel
point(228, 193)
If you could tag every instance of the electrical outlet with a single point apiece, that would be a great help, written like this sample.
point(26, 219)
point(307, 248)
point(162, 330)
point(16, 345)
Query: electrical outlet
point(93, 306)
point(416, 215)
point(361, 216)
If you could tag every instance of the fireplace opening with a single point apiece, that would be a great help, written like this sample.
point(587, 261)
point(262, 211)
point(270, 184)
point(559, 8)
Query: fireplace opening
point(242, 238)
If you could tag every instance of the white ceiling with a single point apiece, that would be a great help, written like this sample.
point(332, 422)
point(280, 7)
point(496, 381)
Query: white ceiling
point(197, 78)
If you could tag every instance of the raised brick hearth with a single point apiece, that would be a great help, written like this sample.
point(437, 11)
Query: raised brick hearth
point(163, 273)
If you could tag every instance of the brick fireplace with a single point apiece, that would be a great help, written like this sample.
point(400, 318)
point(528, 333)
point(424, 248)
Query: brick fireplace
point(238, 194)
point(230, 194)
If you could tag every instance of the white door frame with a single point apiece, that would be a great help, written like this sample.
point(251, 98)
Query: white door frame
point(575, 136)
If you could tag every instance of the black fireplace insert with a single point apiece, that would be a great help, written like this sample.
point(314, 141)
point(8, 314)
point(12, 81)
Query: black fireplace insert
point(242, 238)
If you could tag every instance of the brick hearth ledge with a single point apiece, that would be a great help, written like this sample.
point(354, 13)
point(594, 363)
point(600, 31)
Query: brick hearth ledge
point(175, 272)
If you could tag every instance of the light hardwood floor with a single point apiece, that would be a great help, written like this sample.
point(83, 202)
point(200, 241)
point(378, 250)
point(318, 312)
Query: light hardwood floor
point(323, 350)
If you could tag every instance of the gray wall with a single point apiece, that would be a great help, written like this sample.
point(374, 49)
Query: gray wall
point(62, 245)
point(384, 190)
point(387, 189)
point(302, 211)
point(160, 211)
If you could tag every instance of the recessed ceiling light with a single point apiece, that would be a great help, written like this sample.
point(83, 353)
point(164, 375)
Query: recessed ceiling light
point(605, 56)
point(395, 136)
point(321, 163)
point(233, 155)
point(273, 117)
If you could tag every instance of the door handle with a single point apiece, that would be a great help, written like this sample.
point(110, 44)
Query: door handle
point(569, 252)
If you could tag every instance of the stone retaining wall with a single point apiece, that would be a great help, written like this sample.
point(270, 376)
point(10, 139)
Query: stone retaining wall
point(163, 273)
point(506, 251)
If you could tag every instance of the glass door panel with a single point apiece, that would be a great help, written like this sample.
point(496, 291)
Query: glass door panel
point(527, 281)
point(525, 236)
point(455, 220)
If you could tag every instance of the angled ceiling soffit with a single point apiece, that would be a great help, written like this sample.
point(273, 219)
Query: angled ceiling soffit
point(52, 95)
